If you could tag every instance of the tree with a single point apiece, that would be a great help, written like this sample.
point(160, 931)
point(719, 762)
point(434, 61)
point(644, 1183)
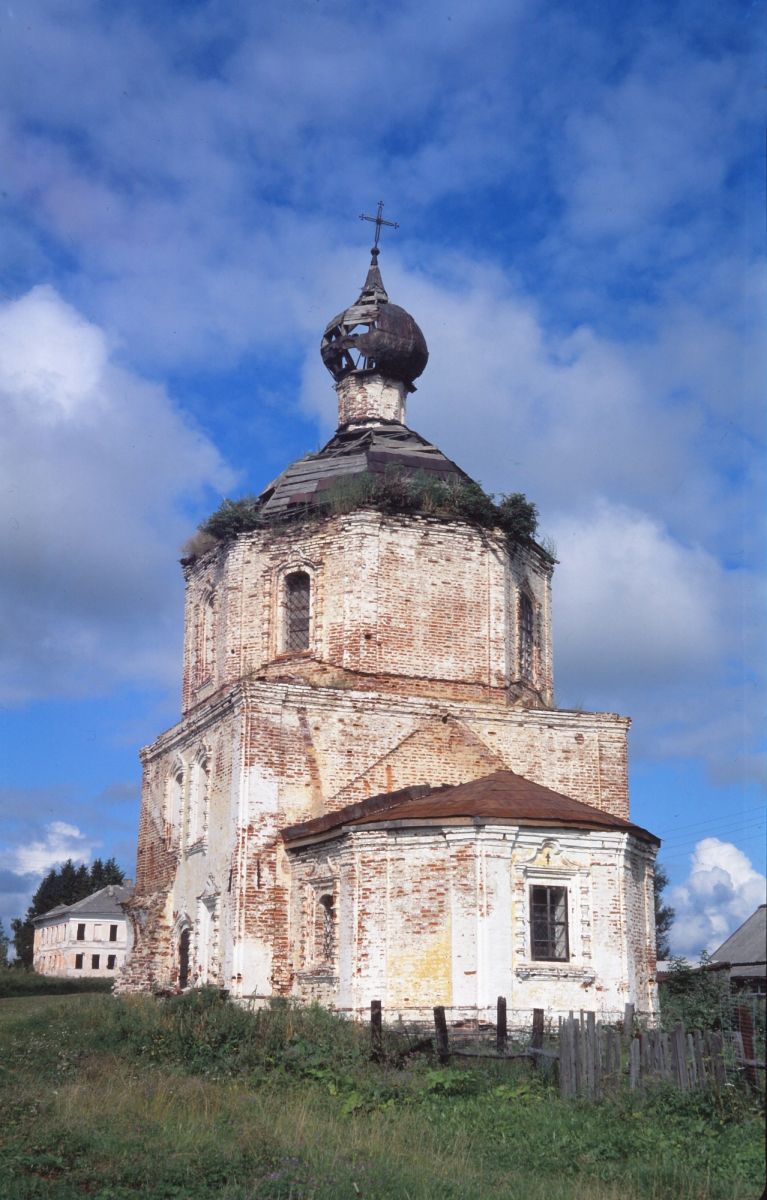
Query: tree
point(4, 939)
point(664, 913)
point(62, 885)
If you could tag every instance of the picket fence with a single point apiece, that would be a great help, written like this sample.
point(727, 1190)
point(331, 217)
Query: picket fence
point(595, 1058)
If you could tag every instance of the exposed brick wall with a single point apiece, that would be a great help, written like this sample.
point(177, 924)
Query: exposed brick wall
point(416, 600)
point(442, 916)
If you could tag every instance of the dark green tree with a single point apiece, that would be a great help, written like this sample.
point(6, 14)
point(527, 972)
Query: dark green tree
point(62, 885)
point(664, 913)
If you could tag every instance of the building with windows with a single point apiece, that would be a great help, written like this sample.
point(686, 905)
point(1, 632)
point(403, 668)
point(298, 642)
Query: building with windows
point(370, 792)
point(87, 938)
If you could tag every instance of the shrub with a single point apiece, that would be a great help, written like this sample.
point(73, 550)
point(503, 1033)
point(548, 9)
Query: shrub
point(394, 491)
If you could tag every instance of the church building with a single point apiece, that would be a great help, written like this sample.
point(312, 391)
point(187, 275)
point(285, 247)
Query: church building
point(371, 793)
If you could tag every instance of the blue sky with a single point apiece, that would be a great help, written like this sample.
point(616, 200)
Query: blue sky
point(580, 195)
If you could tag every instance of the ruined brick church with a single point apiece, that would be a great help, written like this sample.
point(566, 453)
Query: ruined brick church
point(371, 793)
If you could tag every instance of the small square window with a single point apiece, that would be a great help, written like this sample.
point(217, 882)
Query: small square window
point(95, 959)
point(111, 962)
point(548, 924)
point(81, 933)
point(79, 962)
point(113, 933)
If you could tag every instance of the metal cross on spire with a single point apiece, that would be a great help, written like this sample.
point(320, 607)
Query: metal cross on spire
point(378, 221)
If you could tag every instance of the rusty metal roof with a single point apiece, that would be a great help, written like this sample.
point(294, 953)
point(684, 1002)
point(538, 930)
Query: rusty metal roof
point(352, 451)
point(503, 797)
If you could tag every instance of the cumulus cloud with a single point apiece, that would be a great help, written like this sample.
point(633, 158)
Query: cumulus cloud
point(59, 842)
point(97, 466)
point(632, 602)
point(720, 892)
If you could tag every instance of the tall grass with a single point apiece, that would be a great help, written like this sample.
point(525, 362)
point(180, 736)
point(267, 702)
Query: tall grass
point(196, 1098)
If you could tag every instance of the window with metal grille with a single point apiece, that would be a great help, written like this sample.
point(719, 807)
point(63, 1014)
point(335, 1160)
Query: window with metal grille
point(548, 924)
point(79, 962)
point(327, 946)
point(81, 933)
point(113, 933)
point(526, 636)
point(297, 610)
point(95, 960)
point(111, 962)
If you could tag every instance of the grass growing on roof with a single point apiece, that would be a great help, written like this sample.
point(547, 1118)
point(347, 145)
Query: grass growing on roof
point(394, 491)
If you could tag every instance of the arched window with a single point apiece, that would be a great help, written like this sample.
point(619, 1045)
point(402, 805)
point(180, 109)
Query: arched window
point(326, 929)
point(206, 646)
point(298, 588)
point(198, 799)
point(526, 637)
point(174, 800)
point(183, 958)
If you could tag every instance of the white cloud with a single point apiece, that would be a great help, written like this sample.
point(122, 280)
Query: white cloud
point(97, 465)
point(633, 603)
point(60, 842)
point(720, 892)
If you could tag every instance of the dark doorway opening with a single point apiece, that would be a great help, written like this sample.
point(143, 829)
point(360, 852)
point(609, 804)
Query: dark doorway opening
point(183, 959)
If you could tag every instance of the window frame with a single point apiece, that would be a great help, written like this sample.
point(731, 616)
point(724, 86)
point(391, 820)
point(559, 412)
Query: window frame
point(95, 962)
point(527, 647)
point(79, 960)
point(80, 935)
point(549, 937)
point(292, 615)
point(113, 933)
point(111, 962)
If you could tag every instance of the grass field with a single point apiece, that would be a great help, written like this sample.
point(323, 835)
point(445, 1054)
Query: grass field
point(195, 1098)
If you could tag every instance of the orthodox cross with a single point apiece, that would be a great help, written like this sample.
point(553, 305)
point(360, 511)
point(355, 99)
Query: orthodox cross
point(378, 221)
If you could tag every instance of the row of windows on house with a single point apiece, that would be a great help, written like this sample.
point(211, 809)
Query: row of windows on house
point(96, 962)
point(96, 932)
point(549, 937)
point(187, 800)
point(296, 627)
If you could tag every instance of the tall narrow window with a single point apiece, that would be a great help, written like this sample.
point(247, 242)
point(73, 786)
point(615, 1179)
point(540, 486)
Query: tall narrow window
point(207, 636)
point(198, 799)
point(95, 959)
point(183, 958)
point(111, 962)
point(526, 636)
point(174, 802)
point(548, 924)
point(113, 933)
point(79, 962)
point(326, 933)
point(81, 932)
point(297, 610)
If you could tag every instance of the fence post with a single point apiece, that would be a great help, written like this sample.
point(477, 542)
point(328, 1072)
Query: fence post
point(566, 1072)
point(536, 1041)
point(634, 1063)
point(679, 1056)
point(440, 1028)
point(376, 1031)
point(714, 1045)
point(628, 1022)
point(501, 1029)
point(746, 1031)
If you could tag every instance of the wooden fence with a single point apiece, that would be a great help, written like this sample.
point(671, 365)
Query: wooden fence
point(594, 1058)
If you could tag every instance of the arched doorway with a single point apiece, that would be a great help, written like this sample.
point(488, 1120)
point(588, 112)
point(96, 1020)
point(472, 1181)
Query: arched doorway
point(183, 958)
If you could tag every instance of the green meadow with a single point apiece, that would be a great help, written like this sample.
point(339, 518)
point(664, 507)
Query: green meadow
point(194, 1097)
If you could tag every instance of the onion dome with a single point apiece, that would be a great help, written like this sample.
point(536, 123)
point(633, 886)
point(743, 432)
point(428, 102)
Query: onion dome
point(375, 336)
